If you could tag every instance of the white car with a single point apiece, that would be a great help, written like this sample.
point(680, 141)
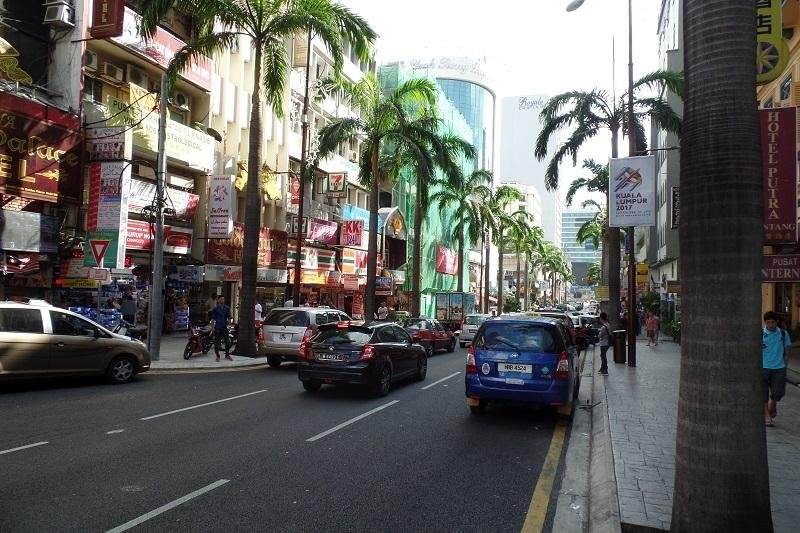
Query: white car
point(469, 326)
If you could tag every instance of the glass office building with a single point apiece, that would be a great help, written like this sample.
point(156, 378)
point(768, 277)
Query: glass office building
point(476, 105)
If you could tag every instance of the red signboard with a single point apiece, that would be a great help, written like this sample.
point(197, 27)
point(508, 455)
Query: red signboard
point(39, 151)
point(780, 269)
point(272, 248)
point(176, 240)
point(446, 260)
point(352, 231)
point(294, 189)
point(779, 163)
point(107, 17)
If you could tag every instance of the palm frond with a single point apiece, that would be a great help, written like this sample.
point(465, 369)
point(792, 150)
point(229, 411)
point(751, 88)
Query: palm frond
point(660, 79)
point(275, 68)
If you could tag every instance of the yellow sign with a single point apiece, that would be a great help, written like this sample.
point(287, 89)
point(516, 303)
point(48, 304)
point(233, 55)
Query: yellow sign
point(601, 292)
point(68, 283)
point(772, 52)
point(642, 272)
point(9, 66)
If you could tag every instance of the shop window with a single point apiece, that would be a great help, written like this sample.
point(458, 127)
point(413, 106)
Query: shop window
point(783, 298)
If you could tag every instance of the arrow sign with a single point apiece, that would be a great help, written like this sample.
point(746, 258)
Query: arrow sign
point(99, 247)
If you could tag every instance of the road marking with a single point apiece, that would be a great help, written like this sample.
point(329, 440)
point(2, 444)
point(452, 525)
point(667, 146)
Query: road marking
point(114, 431)
point(23, 447)
point(164, 508)
point(203, 405)
point(426, 387)
point(351, 421)
point(537, 511)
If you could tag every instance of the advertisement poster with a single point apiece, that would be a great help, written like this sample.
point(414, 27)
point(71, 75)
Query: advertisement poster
point(323, 231)
point(272, 248)
point(383, 286)
point(446, 260)
point(143, 192)
point(109, 193)
point(779, 165)
point(220, 207)
point(442, 302)
point(108, 143)
point(176, 240)
point(456, 306)
point(358, 304)
point(632, 191)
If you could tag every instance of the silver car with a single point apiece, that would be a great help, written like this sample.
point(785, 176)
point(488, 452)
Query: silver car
point(469, 326)
point(39, 340)
point(286, 327)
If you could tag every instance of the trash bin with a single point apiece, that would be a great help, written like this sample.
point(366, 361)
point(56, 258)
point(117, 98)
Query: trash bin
point(619, 336)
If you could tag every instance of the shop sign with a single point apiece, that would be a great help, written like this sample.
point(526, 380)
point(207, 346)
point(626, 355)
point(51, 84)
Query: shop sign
point(358, 304)
point(189, 146)
point(632, 191)
point(294, 226)
point(600, 292)
point(176, 240)
point(272, 247)
point(674, 286)
point(161, 48)
point(310, 277)
point(113, 257)
point(220, 207)
point(354, 261)
point(351, 212)
point(780, 269)
point(334, 278)
point(313, 258)
point(24, 231)
point(352, 230)
point(21, 263)
point(779, 164)
point(350, 282)
point(223, 273)
point(394, 225)
point(272, 275)
point(446, 260)
point(772, 52)
point(642, 272)
point(383, 286)
point(39, 151)
point(78, 283)
point(187, 273)
point(114, 142)
point(399, 276)
point(294, 189)
point(322, 231)
point(74, 268)
point(107, 18)
point(109, 192)
point(9, 67)
point(337, 186)
point(143, 192)
point(675, 213)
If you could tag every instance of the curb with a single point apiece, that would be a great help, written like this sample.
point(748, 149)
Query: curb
point(170, 366)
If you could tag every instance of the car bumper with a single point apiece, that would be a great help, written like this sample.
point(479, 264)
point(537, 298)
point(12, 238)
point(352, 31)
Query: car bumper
point(350, 374)
point(286, 351)
point(557, 394)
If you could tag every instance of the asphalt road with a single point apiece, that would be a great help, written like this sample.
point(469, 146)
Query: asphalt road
point(100, 457)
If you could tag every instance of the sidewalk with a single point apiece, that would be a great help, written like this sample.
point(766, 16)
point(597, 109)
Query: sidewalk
point(642, 405)
point(171, 357)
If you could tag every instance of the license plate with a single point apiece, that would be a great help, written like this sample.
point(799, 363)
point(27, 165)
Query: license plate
point(515, 367)
point(326, 356)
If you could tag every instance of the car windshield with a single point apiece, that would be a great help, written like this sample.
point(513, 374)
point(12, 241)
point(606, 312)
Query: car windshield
point(287, 317)
point(333, 336)
point(416, 323)
point(475, 320)
point(522, 336)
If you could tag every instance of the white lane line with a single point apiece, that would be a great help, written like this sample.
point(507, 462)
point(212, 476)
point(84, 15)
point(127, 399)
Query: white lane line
point(351, 421)
point(203, 405)
point(114, 431)
point(10, 450)
point(164, 508)
point(426, 387)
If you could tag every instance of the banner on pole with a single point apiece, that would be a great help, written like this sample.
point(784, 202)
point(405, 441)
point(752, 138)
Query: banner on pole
point(632, 192)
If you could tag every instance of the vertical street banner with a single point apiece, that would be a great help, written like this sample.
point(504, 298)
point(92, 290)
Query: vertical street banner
point(779, 165)
point(632, 192)
point(220, 207)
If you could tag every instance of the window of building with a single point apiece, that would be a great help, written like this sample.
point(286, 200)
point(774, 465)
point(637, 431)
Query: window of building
point(92, 90)
point(767, 104)
point(786, 87)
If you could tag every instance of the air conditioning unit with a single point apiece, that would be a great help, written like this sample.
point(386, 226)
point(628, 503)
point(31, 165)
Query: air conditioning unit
point(58, 15)
point(182, 101)
point(111, 72)
point(138, 77)
point(90, 61)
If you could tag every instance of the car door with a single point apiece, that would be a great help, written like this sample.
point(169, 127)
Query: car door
point(407, 352)
point(24, 345)
point(387, 345)
point(77, 346)
point(440, 335)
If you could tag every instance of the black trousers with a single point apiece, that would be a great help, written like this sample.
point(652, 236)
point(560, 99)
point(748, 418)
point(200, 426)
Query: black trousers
point(604, 359)
point(221, 335)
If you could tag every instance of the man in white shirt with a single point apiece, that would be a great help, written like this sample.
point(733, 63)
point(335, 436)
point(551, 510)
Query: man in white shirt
point(259, 311)
point(383, 311)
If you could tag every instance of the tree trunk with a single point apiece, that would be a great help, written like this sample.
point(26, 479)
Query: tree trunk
point(461, 262)
point(481, 308)
point(487, 275)
point(613, 255)
point(500, 274)
point(416, 253)
point(721, 475)
point(246, 339)
point(526, 304)
point(518, 288)
point(372, 245)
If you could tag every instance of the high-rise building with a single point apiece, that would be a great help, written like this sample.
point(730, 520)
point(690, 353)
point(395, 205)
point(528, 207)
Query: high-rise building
point(579, 255)
point(519, 128)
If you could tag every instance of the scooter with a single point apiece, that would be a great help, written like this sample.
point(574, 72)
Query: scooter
point(137, 333)
point(201, 339)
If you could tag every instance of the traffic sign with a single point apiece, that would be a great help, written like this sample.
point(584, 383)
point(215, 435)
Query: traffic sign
point(98, 248)
point(99, 274)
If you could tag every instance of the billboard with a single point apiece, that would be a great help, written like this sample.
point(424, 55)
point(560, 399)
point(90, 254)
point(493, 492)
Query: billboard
point(779, 165)
point(632, 192)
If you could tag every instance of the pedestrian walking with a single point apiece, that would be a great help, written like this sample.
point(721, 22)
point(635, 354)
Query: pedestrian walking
point(774, 341)
point(651, 324)
point(603, 340)
point(221, 317)
point(382, 312)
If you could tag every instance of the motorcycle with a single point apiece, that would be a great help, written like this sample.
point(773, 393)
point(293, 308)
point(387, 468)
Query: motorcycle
point(201, 339)
point(137, 333)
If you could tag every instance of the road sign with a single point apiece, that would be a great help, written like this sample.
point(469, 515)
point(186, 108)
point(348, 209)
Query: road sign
point(601, 292)
point(98, 273)
point(98, 248)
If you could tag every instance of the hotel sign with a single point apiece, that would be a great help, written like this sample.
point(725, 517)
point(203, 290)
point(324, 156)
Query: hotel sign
point(779, 164)
point(780, 269)
point(107, 17)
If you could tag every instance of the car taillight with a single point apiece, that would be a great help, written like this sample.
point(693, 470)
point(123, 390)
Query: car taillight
point(367, 353)
point(472, 368)
point(307, 333)
point(305, 351)
point(562, 370)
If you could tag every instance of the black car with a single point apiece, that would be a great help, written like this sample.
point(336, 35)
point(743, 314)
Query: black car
point(373, 355)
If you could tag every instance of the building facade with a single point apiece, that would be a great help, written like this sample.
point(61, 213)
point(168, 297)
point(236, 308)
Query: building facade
point(579, 255)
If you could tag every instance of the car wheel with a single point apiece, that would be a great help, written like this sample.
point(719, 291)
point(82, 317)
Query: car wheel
point(383, 382)
point(478, 409)
point(312, 385)
point(189, 350)
point(121, 370)
point(274, 361)
point(452, 346)
point(422, 368)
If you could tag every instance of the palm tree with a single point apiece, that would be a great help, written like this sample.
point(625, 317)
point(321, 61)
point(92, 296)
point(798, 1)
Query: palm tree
point(593, 273)
point(269, 25)
point(495, 216)
point(589, 112)
point(530, 248)
point(403, 120)
point(465, 193)
point(721, 475)
point(506, 225)
point(594, 228)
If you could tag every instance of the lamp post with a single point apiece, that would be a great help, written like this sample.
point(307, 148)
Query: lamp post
point(572, 6)
point(302, 189)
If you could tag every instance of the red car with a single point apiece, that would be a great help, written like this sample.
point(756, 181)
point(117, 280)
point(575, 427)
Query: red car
point(431, 335)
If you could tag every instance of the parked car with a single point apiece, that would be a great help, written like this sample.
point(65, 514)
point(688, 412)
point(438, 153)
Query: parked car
point(373, 355)
point(469, 326)
point(39, 340)
point(522, 359)
point(286, 327)
point(591, 325)
point(431, 335)
point(568, 320)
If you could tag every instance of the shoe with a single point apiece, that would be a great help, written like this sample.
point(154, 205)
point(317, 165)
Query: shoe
point(769, 423)
point(603, 373)
point(229, 358)
point(217, 357)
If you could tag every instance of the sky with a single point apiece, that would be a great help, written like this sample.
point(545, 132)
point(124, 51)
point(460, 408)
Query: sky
point(530, 46)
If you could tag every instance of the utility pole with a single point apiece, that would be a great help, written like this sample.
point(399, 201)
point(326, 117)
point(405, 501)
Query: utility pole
point(631, 326)
point(156, 314)
point(302, 190)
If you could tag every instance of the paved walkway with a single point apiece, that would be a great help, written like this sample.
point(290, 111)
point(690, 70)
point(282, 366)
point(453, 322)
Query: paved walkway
point(642, 405)
point(171, 357)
